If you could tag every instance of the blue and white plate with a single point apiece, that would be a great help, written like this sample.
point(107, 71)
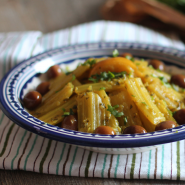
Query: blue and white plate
point(28, 74)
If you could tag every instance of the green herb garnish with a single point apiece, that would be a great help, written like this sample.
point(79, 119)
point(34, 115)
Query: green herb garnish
point(144, 103)
point(130, 58)
point(68, 73)
point(151, 67)
point(102, 88)
point(130, 75)
point(73, 77)
point(175, 87)
point(71, 112)
point(153, 75)
point(114, 112)
point(165, 82)
point(170, 112)
point(125, 120)
point(91, 62)
point(66, 114)
point(115, 53)
point(104, 76)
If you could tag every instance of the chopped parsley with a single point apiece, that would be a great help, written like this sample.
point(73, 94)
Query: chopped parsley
point(144, 103)
point(175, 87)
point(102, 88)
point(133, 95)
point(164, 81)
point(170, 112)
point(151, 67)
point(125, 120)
point(91, 62)
point(104, 76)
point(115, 53)
point(71, 112)
point(130, 58)
point(73, 77)
point(154, 75)
point(67, 113)
point(68, 73)
point(152, 98)
point(114, 112)
point(130, 75)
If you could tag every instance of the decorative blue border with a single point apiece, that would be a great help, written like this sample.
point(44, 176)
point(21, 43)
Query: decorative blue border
point(16, 79)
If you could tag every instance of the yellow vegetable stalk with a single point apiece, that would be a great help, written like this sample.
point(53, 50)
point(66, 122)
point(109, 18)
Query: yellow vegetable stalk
point(89, 112)
point(148, 111)
point(113, 85)
point(108, 118)
point(56, 100)
point(127, 106)
point(56, 116)
point(63, 81)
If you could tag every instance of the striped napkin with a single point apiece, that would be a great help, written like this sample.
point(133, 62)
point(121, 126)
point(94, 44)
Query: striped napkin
point(23, 150)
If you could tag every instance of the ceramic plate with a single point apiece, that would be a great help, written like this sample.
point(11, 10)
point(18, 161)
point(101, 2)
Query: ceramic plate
point(29, 73)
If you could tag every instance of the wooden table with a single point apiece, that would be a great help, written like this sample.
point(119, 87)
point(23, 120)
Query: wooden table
point(47, 16)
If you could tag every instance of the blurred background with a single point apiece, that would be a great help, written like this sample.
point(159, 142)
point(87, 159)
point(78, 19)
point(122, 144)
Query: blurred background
point(48, 16)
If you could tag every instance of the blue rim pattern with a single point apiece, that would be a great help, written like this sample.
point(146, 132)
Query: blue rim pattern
point(17, 79)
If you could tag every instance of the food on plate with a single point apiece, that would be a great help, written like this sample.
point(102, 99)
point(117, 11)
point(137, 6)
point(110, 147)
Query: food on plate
point(32, 99)
point(70, 122)
point(157, 64)
point(165, 125)
point(180, 116)
point(110, 95)
point(134, 129)
point(43, 88)
point(54, 71)
point(105, 130)
point(179, 80)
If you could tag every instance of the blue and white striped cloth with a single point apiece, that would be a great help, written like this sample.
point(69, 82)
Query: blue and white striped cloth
point(20, 149)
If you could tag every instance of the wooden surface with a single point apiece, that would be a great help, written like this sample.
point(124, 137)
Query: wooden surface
point(47, 16)
point(30, 178)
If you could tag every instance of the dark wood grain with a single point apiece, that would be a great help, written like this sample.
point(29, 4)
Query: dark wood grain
point(30, 178)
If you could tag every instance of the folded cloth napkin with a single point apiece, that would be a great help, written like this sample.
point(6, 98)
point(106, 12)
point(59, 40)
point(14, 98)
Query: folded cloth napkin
point(23, 150)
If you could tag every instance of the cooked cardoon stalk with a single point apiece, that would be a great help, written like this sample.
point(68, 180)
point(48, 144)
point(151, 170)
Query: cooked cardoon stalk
point(56, 100)
point(162, 106)
point(164, 92)
point(148, 111)
point(89, 111)
point(107, 118)
point(56, 116)
point(127, 106)
point(65, 79)
point(113, 85)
